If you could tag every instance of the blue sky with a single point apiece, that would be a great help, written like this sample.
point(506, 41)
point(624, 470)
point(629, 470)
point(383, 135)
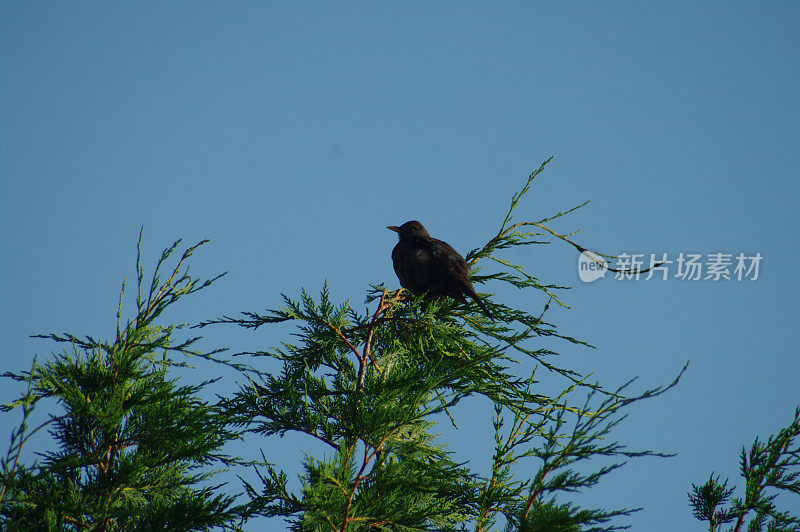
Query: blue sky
point(292, 134)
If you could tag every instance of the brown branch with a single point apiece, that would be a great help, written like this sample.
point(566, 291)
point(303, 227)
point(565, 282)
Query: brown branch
point(363, 358)
point(382, 306)
point(343, 337)
point(76, 522)
point(361, 477)
point(350, 497)
point(538, 490)
point(535, 494)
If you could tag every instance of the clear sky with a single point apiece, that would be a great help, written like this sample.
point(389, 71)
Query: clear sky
point(292, 134)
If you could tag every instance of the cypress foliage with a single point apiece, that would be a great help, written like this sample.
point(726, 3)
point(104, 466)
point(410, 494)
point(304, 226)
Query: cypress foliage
point(371, 385)
point(768, 468)
point(136, 450)
point(132, 445)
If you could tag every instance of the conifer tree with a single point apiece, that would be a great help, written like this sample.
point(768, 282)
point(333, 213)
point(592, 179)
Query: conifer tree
point(372, 384)
point(136, 450)
point(768, 468)
point(132, 447)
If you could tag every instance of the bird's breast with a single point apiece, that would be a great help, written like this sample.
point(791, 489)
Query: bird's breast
point(420, 255)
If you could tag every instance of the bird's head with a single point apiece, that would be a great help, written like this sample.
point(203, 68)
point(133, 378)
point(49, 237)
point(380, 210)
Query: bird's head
point(410, 230)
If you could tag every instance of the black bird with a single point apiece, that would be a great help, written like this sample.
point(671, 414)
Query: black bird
point(425, 264)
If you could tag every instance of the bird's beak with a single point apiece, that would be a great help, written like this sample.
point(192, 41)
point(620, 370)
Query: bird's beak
point(393, 228)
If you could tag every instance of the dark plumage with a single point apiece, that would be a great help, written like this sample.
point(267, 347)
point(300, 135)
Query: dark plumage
point(425, 264)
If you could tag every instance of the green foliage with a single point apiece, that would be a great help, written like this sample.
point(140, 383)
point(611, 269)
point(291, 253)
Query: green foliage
point(371, 385)
point(130, 442)
point(135, 450)
point(773, 465)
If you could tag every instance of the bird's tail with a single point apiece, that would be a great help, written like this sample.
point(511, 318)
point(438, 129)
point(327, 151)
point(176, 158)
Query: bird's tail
point(481, 304)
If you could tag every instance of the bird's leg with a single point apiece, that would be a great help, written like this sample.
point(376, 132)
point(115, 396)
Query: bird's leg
point(398, 294)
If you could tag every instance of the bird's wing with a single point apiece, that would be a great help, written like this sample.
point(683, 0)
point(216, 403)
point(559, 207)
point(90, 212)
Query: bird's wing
point(448, 260)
